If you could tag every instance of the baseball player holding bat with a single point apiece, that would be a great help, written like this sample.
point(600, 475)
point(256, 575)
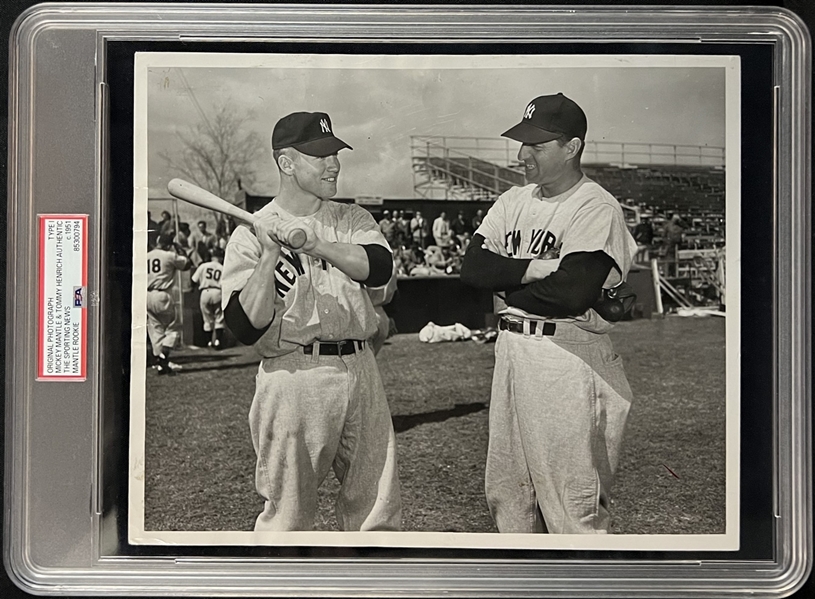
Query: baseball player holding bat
point(560, 397)
point(319, 402)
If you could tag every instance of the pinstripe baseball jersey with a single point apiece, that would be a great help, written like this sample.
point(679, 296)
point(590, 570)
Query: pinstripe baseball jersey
point(315, 300)
point(585, 218)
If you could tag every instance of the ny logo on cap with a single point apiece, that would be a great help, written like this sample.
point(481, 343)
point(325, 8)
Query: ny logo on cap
point(324, 126)
point(529, 110)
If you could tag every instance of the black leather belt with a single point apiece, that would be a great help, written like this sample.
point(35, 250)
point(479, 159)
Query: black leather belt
point(336, 348)
point(549, 328)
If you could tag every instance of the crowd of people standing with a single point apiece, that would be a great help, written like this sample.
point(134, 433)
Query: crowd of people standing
point(196, 256)
point(422, 247)
point(197, 244)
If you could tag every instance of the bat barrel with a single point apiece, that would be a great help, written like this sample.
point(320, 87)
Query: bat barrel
point(201, 197)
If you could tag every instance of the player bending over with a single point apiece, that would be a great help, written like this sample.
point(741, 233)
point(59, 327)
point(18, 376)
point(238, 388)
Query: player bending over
point(162, 264)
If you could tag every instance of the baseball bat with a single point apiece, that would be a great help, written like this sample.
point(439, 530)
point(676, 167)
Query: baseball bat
point(183, 190)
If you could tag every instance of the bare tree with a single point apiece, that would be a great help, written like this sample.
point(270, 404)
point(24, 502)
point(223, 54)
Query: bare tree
point(220, 153)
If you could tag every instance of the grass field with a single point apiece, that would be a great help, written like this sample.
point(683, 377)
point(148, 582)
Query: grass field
point(199, 461)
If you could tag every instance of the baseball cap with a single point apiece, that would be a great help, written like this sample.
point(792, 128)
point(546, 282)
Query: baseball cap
point(549, 117)
point(308, 132)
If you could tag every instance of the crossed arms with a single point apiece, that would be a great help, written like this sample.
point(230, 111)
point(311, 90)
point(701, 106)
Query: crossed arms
point(554, 288)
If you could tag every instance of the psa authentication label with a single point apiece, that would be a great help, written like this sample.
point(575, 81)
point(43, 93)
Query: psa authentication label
point(63, 320)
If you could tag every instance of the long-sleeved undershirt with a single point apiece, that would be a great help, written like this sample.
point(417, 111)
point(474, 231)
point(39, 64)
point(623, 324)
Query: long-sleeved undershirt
point(380, 269)
point(569, 291)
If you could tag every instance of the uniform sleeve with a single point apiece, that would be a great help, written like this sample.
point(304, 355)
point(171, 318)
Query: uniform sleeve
point(494, 225)
point(238, 322)
point(196, 276)
point(483, 269)
point(380, 265)
point(602, 228)
point(242, 255)
point(181, 262)
point(365, 231)
point(383, 294)
point(569, 291)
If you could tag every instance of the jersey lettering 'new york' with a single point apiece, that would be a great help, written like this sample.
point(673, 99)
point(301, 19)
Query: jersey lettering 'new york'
point(208, 275)
point(161, 268)
point(314, 300)
point(540, 241)
point(585, 218)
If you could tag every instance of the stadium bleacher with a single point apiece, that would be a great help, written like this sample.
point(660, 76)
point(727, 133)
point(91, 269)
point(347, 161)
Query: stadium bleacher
point(694, 191)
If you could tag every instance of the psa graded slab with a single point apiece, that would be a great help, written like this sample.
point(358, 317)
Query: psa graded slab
point(341, 300)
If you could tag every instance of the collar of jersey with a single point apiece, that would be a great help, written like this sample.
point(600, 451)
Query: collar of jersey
point(538, 192)
point(288, 214)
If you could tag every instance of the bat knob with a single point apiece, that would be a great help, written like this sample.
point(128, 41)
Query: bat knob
point(297, 239)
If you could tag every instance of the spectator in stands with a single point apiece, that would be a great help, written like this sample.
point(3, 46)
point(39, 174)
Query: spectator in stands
point(166, 226)
point(388, 228)
point(202, 243)
point(643, 234)
point(223, 229)
point(441, 230)
point(455, 254)
point(182, 246)
point(399, 253)
point(420, 230)
point(435, 262)
point(671, 238)
point(402, 228)
point(407, 258)
point(464, 242)
point(182, 238)
point(459, 225)
point(152, 232)
point(479, 216)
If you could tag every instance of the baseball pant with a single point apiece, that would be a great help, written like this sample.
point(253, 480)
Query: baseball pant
point(211, 310)
point(161, 325)
point(557, 414)
point(382, 329)
point(311, 413)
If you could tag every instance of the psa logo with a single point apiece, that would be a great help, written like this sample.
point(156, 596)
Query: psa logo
point(79, 297)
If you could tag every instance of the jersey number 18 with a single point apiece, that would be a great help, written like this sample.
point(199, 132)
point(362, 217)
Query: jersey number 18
point(154, 265)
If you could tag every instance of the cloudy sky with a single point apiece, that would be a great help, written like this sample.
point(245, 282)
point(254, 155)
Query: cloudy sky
point(377, 103)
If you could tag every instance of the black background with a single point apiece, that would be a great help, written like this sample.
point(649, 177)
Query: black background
point(12, 8)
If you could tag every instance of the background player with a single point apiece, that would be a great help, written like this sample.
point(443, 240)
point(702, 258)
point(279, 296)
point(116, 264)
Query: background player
point(319, 401)
point(560, 397)
point(208, 278)
point(162, 264)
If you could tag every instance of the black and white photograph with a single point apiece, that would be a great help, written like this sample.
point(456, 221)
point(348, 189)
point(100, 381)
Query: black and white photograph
point(459, 301)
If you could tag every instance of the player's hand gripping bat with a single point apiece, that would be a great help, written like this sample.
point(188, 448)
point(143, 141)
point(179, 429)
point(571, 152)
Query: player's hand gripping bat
point(193, 194)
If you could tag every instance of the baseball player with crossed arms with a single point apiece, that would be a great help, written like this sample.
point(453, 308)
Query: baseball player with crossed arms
point(162, 264)
point(319, 401)
point(560, 397)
